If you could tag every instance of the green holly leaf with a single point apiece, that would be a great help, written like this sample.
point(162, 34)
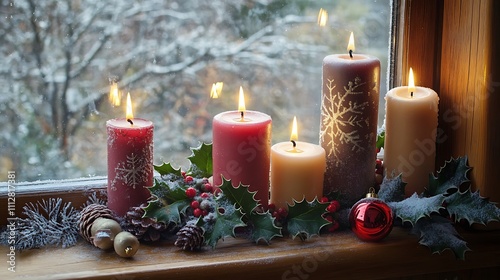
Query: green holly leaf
point(241, 196)
point(305, 218)
point(392, 190)
point(473, 208)
point(438, 234)
point(168, 191)
point(263, 227)
point(223, 225)
point(167, 169)
point(380, 139)
point(170, 213)
point(414, 208)
point(450, 177)
point(201, 161)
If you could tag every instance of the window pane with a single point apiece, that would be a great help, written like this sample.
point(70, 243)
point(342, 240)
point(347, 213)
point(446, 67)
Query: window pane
point(59, 58)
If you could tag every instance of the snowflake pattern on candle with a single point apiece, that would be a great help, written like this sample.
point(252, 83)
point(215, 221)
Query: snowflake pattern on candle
point(341, 117)
point(135, 170)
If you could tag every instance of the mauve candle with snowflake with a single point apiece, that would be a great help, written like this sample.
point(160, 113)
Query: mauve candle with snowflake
point(130, 161)
point(348, 125)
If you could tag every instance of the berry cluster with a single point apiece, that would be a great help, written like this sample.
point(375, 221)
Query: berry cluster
point(332, 209)
point(201, 194)
point(279, 214)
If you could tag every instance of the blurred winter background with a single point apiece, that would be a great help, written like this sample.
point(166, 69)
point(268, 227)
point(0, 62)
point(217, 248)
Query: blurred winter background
point(58, 58)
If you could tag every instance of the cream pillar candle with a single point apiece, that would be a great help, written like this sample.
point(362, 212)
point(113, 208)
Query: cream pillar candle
point(297, 171)
point(410, 137)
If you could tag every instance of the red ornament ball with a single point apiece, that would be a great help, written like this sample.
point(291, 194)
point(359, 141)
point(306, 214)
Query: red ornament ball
point(371, 219)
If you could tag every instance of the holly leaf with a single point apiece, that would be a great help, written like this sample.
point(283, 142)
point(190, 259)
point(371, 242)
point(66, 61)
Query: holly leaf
point(201, 161)
point(449, 177)
point(392, 190)
point(305, 218)
point(438, 234)
point(167, 169)
point(263, 227)
point(414, 208)
point(168, 191)
point(380, 139)
point(241, 196)
point(225, 223)
point(473, 208)
point(170, 213)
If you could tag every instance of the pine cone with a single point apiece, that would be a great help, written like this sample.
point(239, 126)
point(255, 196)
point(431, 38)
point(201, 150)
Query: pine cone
point(144, 228)
point(190, 237)
point(88, 215)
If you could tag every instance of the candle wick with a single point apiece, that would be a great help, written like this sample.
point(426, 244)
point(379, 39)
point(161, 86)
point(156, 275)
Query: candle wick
point(350, 53)
point(130, 121)
point(293, 143)
point(411, 94)
point(242, 113)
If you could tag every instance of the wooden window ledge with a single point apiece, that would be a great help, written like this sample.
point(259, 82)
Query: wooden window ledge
point(333, 256)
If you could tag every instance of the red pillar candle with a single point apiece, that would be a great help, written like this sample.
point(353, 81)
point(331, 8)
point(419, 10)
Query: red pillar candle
point(241, 150)
point(349, 115)
point(130, 163)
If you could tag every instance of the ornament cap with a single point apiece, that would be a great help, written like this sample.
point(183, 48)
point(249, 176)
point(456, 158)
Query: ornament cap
point(371, 193)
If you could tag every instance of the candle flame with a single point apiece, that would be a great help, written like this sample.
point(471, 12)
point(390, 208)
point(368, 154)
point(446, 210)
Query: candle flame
point(350, 46)
point(216, 90)
point(241, 104)
point(411, 82)
point(322, 17)
point(114, 95)
point(294, 136)
point(129, 114)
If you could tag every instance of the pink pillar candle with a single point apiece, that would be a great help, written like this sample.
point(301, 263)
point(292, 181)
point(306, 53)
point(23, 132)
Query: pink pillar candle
point(348, 128)
point(241, 151)
point(130, 163)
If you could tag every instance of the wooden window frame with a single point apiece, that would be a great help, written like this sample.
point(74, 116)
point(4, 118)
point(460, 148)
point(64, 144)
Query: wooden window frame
point(450, 44)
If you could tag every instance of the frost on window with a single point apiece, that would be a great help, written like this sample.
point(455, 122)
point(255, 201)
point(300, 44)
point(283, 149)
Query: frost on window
point(59, 59)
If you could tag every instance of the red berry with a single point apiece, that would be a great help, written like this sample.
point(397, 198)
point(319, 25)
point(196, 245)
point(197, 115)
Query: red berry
point(204, 195)
point(336, 203)
point(324, 199)
point(275, 214)
point(209, 188)
point(204, 212)
point(197, 212)
point(334, 226)
point(271, 206)
point(191, 192)
point(183, 173)
point(329, 218)
point(188, 179)
point(378, 162)
point(195, 204)
point(282, 212)
point(333, 207)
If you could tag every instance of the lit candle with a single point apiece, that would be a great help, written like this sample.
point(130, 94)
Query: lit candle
point(130, 161)
point(241, 149)
point(297, 170)
point(348, 126)
point(410, 134)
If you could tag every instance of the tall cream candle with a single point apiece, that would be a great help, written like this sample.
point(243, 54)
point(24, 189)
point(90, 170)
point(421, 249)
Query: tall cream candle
point(410, 136)
point(297, 171)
